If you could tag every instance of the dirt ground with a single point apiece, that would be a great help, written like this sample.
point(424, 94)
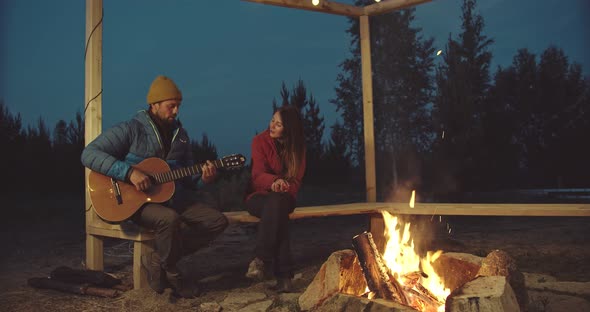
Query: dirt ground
point(548, 245)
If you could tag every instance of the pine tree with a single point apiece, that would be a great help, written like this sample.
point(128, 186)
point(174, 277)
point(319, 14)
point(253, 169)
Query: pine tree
point(336, 157)
point(204, 150)
point(402, 65)
point(462, 83)
point(12, 138)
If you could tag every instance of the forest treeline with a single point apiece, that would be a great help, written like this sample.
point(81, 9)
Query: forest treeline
point(445, 122)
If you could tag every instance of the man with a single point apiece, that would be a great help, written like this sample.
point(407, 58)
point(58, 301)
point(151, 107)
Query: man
point(190, 219)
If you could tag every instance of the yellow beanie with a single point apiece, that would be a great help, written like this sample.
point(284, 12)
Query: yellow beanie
point(162, 89)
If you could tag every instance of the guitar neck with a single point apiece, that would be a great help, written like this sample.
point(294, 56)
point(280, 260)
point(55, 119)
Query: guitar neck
point(172, 175)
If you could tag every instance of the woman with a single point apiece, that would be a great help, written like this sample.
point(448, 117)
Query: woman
point(278, 165)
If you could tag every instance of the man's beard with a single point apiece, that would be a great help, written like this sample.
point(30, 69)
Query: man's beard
point(163, 121)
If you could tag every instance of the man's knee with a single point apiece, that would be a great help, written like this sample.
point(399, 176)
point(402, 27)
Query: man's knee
point(168, 218)
point(220, 223)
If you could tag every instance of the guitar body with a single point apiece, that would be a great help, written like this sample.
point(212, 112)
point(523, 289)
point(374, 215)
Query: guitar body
point(103, 192)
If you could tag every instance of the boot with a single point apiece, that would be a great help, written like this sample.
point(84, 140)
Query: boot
point(156, 279)
point(256, 270)
point(182, 287)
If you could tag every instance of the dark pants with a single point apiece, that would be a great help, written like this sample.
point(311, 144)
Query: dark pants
point(272, 244)
point(181, 228)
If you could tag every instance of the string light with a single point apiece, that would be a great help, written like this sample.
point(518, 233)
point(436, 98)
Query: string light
point(377, 0)
point(315, 2)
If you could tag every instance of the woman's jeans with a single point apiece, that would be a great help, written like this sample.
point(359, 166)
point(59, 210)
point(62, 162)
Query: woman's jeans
point(272, 244)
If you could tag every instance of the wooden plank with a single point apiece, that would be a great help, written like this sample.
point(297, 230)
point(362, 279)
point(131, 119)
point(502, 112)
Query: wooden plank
point(449, 209)
point(305, 212)
point(369, 135)
point(324, 6)
point(541, 210)
point(386, 6)
point(475, 209)
point(120, 233)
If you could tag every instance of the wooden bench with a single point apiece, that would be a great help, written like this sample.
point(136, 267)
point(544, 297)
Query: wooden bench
point(97, 230)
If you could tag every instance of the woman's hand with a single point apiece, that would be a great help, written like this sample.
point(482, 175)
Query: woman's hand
point(280, 186)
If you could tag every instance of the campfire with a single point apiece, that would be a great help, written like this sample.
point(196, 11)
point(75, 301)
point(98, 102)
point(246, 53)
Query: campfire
point(400, 274)
point(400, 279)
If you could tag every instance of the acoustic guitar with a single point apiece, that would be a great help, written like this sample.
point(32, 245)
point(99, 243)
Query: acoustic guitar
point(116, 201)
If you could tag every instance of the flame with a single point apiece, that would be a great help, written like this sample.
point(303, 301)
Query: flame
point(413, 199)
point(402, 259)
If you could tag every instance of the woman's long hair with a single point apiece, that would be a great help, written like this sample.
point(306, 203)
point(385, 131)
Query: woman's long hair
point(293, 140)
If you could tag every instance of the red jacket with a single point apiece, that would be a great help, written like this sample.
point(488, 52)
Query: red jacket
point(267, 167)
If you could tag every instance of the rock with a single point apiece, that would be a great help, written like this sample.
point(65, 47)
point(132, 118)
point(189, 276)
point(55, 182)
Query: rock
point(343, 302)
point(483, 294)
point(209, 307)
point(341, 273)
point(289, 297)
point(580, 289)
point(236, 300)
point(261, 306)
point(456, 269)
point(499, 263)
point(281, 309)
point(549, 301)
point(289, 301)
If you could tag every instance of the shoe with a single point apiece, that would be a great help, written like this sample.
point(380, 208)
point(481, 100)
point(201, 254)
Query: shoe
point(284, 285)
point(182, 287)
point(256, 270)
point(151, 263)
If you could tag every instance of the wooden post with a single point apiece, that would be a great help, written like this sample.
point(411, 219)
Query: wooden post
point(377, 227)
point(140, 248)
point(368, 110)
point(93, 114)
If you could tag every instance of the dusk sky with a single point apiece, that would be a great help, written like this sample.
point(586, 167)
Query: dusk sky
point(229, 57)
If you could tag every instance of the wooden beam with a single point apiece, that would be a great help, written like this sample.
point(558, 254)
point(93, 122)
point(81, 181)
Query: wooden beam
point(516, 210)
point(324, 6)
point(367, 80)
point(386, 6)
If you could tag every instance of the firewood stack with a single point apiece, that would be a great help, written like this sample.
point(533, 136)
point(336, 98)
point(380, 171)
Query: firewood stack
point(383, 284)
point(82, 282)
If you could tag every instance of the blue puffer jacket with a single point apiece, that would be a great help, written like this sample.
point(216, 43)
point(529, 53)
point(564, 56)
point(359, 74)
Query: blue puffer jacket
point(114, 151)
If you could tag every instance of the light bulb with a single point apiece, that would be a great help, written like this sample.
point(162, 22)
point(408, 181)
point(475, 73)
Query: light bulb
point(315, 2)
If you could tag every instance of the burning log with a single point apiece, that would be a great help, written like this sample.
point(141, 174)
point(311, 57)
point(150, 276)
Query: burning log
point(413, 278)
point(81, 289)
point(375, 270)
point(418, 295)
point(422, 302)
point(412, 281)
